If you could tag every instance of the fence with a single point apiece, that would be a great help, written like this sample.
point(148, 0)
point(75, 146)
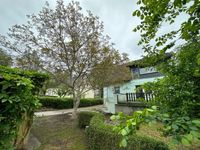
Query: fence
point(133, 97)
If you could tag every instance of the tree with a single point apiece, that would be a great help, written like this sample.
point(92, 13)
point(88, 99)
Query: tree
point(154, 14)
point(29, 61)
point(109, 73)
point(67, 41)
point(5, 59)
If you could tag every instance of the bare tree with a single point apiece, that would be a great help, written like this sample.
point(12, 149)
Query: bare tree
point(5, 59)
point(66, 40)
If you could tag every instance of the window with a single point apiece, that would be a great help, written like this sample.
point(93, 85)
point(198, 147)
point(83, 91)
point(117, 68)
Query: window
point(116, 90)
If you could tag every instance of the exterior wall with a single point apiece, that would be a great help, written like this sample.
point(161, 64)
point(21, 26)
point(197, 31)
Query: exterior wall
point(110, 99)
point(128, 109)
point(52, 92)
point(89, 94)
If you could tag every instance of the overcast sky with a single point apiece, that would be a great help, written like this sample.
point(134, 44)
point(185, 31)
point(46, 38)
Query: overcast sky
point(115, 14)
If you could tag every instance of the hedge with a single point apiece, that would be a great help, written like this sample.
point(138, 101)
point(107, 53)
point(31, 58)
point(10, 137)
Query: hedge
point(17, 105)
point(102, 137)
point(64, 103)
point(36, 78)
point(84, 118)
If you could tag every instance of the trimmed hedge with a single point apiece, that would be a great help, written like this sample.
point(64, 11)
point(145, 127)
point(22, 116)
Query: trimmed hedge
point(84, 118)
point(64, 103)
point(102, 137)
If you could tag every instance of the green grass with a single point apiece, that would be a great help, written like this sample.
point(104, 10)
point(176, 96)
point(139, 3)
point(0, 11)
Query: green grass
point(61, 133)
point(58, 133)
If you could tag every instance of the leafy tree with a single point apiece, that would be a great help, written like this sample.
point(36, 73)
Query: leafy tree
point(155, 14)
point(109, 72)
point(5, 59)
point(178, 92)
point(67, 41)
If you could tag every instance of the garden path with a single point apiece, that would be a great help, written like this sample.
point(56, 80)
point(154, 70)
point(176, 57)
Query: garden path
point(66, 111)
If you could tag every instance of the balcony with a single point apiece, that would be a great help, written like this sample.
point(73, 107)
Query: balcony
point(134, 97)
point(130, 102)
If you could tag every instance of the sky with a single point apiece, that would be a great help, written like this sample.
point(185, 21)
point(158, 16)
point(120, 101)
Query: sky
point(115, 14)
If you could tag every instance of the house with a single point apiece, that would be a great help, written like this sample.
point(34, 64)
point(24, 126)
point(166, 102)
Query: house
point(89, 94)
point(124, 97)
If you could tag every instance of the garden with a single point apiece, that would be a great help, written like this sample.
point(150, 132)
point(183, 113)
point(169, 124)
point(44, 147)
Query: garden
point(65, 49)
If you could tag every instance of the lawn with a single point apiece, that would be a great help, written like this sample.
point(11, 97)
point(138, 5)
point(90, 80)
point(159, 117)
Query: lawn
point(58, 133)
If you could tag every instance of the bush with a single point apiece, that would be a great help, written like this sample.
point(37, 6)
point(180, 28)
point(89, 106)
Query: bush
point(84, 118)
point(17, 105)
point(64, 103)
point(102, 137)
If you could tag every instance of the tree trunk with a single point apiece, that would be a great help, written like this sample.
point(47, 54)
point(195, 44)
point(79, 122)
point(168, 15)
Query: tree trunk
point(23, 131)
point(76, 102)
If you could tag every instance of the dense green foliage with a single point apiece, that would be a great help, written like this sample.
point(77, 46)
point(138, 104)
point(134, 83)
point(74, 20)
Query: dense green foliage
point(178, 93)
point(84, 118)
point(64, 103)
point(182, 129)
point(156, 14)
point(102, 137)
point(17, 105)
point(127, 125)
point(36, 78)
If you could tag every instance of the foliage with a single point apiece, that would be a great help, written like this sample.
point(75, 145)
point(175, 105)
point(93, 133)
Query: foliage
point(127, 125)
point(101, 137)
point(64, 103)
point(37, 79)
point(177, 95)
point(17, 105)
point(108, 73)
point(155, 14)
point(63, 90)
point(84, 118)
point(178, 92)
point(5, 59)
point(69, 38)
point(182, 129)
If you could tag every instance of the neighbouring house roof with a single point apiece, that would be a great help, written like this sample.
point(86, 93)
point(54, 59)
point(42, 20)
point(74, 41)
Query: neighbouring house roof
point(149, 61)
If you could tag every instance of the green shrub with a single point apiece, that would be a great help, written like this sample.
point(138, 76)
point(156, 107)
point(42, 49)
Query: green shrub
point(90, 102)
point(17, 106)
point(102, 137)
point(84, 118)
point(64, 103)
point(56, 102)
point(36, 78)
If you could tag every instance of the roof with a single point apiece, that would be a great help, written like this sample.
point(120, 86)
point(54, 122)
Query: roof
point(150, 60)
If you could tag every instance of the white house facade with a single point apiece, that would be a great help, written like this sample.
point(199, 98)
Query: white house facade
point(119, 97)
